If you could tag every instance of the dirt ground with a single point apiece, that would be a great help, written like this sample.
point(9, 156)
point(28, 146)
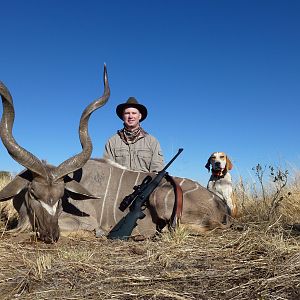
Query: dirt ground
point(247, 262)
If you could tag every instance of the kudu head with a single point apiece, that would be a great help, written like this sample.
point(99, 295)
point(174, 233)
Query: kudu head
point(42, 185)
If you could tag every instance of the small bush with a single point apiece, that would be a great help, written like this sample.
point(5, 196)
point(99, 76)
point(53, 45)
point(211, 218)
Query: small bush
point(273, 196)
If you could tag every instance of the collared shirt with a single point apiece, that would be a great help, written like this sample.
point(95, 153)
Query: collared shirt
point(143, 155)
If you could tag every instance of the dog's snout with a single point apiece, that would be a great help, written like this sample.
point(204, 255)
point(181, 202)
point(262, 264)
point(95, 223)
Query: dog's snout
point(217, 165)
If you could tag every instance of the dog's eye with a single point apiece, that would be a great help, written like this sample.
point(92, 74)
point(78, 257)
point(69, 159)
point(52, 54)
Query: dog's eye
point(213, 157)
point(222, 156)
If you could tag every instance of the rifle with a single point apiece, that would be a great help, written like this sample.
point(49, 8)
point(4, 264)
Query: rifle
point(123, 229)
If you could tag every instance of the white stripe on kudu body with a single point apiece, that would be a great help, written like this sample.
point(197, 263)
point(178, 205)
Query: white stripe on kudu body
point(117, 195)
point(192, 190)
point(105, 195)
point(201, 208)
point(157, 197)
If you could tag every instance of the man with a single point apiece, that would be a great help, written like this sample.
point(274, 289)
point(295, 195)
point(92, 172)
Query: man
point(132, 147)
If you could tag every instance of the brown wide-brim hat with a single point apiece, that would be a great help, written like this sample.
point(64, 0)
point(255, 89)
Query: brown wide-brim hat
point(132, 102)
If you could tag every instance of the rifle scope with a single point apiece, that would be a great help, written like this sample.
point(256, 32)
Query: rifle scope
point(137, 189)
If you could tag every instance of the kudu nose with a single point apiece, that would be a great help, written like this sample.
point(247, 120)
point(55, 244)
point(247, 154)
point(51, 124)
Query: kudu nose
point(49, 237)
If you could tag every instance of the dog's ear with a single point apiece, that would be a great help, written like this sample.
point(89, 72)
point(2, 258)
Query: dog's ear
point(229, 164)
point(207, 166)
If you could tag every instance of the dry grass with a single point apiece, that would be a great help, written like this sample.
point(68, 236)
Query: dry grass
point(277, 202)
point(8, 215)
point(259, 258)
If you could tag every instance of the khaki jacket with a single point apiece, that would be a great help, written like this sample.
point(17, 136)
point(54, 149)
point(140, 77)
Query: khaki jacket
point(144, 155)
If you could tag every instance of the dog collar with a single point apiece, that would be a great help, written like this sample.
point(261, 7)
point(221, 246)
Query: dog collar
point(219, 173)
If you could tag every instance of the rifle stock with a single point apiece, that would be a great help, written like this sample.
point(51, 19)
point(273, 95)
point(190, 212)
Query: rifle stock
point(125, 226)
point(123, 229)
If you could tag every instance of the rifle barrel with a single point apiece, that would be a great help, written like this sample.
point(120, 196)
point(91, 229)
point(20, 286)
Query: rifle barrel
point(170, 162)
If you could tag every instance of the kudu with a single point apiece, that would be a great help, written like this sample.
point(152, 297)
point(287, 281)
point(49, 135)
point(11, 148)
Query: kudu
point(38, 191)
point(84, 194)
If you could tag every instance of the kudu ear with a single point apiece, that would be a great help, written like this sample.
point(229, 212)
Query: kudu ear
point(75, 187)
point(207, 166)
point(229, 164)
point(13, 188)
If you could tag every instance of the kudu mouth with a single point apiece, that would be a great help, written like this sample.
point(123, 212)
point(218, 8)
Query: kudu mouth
point(48, 237)
point(49, 175)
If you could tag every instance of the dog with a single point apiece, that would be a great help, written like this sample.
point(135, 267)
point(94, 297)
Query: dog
point(220, 182)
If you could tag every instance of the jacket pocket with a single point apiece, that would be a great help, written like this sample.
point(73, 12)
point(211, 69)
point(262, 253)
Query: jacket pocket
point(144, 154)
point(121, 152)
point(122, 157)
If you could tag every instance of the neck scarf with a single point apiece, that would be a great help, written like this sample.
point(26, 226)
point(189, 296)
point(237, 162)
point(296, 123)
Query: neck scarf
point(130, 137)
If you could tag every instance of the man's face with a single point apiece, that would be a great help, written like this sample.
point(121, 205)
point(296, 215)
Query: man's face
point(131, 118)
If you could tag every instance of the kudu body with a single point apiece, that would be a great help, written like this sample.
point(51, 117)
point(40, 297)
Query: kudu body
point(38, 191)
point(202, 210)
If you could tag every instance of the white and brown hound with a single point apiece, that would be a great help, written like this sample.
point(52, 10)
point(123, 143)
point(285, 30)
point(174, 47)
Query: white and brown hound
point(220, 181)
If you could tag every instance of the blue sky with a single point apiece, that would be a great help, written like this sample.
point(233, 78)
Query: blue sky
point(214, 75)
